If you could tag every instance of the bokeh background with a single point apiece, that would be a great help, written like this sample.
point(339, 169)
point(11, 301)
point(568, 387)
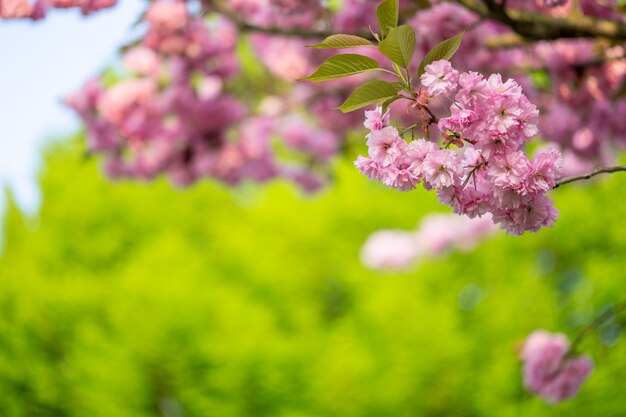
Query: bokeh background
point(140, 299)
point(125, 299)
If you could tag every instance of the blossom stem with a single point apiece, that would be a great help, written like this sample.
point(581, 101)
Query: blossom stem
point(402, 132)
point(387, 71)
point(433, 118)
point(602, 170)
point(401, 76)
point(608, 314)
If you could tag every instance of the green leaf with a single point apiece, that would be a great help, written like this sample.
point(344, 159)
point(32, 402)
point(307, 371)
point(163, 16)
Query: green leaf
point(373, 92)
point(399, 45)
point(342, 41)
point(387, 15)
point(342, 66)
point(541, 80)
point(443, 50)
point(389, 102)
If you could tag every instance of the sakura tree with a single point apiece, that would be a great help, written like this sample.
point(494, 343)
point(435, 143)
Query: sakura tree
point(491, 104)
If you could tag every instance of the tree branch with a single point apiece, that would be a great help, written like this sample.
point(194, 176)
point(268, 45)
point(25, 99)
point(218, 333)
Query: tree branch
point(220, 7)
point(603, 170)
point(609, 313)
point(538, 26)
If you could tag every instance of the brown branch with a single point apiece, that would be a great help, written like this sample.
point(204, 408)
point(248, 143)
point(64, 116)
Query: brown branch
point(434, 119)
point(509, 40)
point(602, 170)
point(474, 7)
point(541, 26)
point(220, 7)
point(244, 26)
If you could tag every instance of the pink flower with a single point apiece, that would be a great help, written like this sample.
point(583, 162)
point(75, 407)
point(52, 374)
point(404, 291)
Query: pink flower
point(308, 181)
point(460, 119)
point(509, 171)
point(416, 152)
point(549, 369)
point(130, 96)
point(545, 172)
point(531, 214)
point(436, 235)
point(473, 230)
point(301, 136)
point(509, 87)
point(528, 120)
point(390, 249)
point(440, 78)
point(508, 199)
point(63, 4)
point(473, 157)
point(142, 60)
point(375, 119)
point(473, 87)
point(535, 214)
point(385, 146)
point(399, 176)
point(473, 200)
point(568, 381)
point(21, 9)
point(573, 164)
point(440, 233)
point(368, 167)
point(464, 117)
point(90, 6)
point(286, 58)
point(506, 114)
point(542, 353)
point(442, 168)
point(559, 124)
point(167, 16)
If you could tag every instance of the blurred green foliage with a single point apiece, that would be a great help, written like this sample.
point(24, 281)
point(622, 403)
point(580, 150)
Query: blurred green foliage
point(125, 299)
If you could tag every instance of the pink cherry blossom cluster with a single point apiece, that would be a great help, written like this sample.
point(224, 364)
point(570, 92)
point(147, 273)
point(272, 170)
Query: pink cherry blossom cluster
point(551, 370)
point(490, 175)
point(584, 78)
point(171, 114)
point(170, 111)
point(437, 235)
point(582, 74)
point(36, 9)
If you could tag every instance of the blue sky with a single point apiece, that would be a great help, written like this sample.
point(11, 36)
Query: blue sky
point(40, 62)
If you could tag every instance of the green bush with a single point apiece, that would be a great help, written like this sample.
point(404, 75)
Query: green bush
point(124, 299)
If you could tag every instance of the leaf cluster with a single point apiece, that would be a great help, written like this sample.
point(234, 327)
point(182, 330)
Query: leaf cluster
point(396, 43)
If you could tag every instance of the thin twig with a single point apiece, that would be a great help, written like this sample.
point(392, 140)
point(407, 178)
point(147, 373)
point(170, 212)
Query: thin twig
point(606, 315)
point(602, 170)
point(433, 118)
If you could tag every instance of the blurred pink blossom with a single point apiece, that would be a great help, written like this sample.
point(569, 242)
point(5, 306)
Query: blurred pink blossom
point(550, 370)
